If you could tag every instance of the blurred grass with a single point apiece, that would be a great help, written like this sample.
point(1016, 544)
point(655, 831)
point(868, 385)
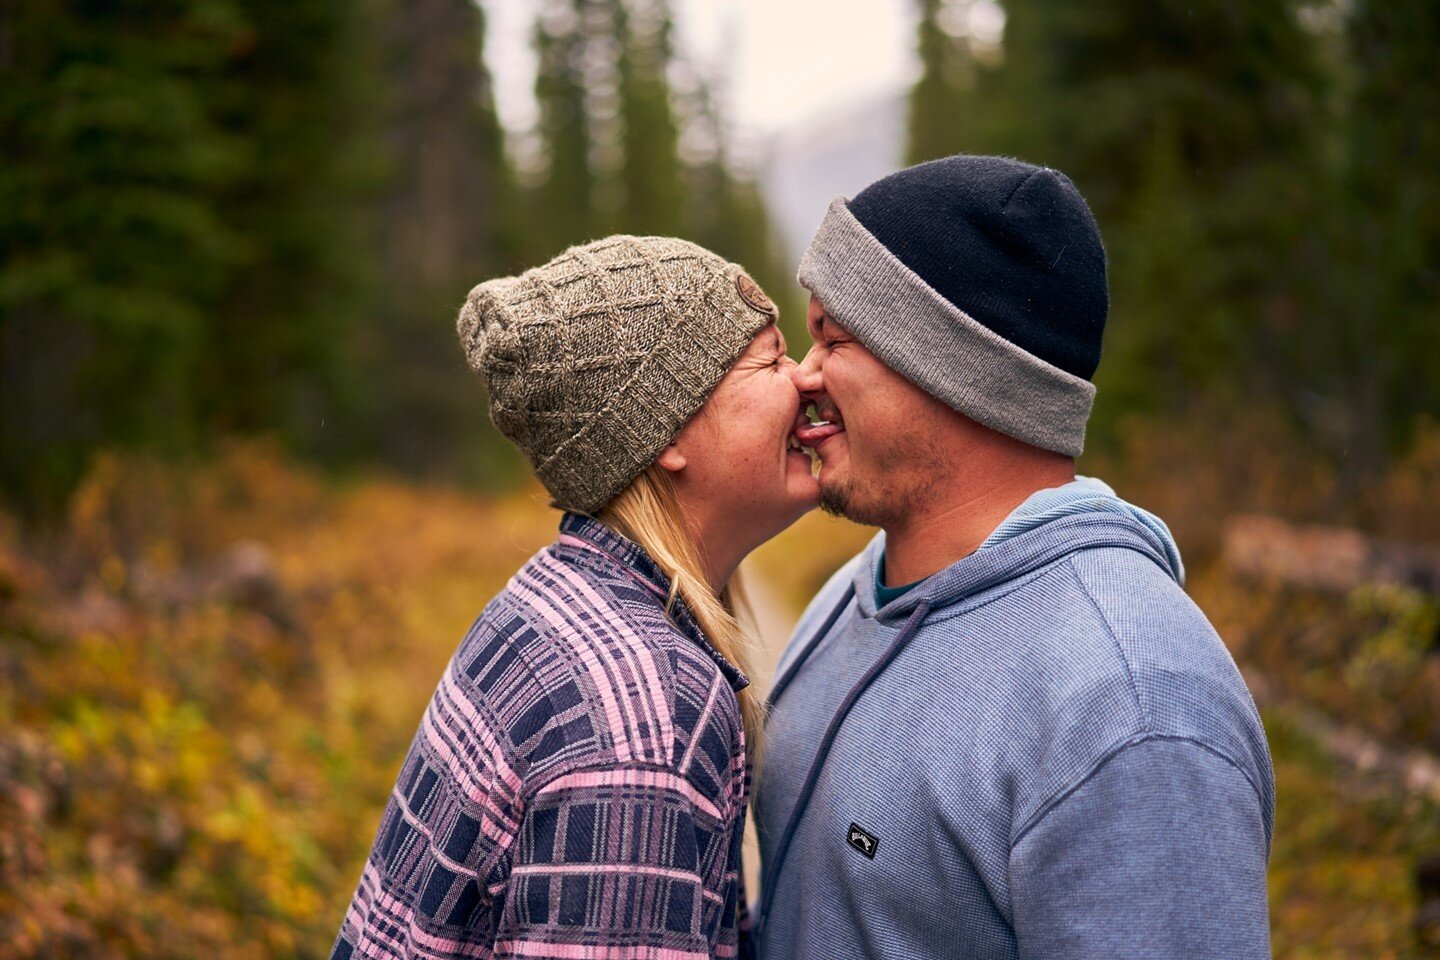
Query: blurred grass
point(1343, 858)
point(209, 675)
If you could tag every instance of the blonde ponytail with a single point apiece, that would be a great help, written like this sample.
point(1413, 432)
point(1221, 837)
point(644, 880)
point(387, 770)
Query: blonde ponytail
point(649, 513)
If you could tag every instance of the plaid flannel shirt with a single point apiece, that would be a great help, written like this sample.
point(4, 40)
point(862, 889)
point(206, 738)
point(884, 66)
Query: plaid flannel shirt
point(577, 787)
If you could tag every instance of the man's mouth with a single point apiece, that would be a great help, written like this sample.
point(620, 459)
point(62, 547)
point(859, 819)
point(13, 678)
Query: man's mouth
point(826, 423)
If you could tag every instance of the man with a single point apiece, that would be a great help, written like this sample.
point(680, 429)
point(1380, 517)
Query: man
point(1003, 730)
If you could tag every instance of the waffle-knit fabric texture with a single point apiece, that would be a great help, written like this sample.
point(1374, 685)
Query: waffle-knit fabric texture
point(577, 787)
point(595, 360)
point(1063, 763)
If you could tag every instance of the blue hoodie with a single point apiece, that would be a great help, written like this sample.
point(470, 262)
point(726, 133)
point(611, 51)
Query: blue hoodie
point(1043, 750)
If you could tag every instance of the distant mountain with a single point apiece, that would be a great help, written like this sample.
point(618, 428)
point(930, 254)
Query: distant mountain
point(837, 152)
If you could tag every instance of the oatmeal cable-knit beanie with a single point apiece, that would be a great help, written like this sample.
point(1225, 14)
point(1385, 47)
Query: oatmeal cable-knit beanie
point(595, 360)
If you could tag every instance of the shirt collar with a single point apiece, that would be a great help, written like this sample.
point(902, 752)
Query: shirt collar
point(596, 536)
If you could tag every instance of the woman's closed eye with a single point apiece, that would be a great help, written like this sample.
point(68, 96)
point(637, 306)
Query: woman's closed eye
point(778, 357)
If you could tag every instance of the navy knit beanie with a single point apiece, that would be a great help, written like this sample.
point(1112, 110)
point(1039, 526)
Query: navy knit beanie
point(979, 279)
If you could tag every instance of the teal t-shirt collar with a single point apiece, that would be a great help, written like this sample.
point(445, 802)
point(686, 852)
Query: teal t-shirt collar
point(884, 594)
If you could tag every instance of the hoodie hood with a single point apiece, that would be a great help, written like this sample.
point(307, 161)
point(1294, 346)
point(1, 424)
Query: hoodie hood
point(1083, 495)
point(1052, 523)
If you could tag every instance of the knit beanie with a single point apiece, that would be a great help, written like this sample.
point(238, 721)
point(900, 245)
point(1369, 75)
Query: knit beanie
point(594, 361)
point(979, 279)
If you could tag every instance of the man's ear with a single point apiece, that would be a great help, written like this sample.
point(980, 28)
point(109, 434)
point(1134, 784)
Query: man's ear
point(671, 458)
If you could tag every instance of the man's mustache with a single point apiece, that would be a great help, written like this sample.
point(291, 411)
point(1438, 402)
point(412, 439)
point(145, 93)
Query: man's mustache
point(825, 409)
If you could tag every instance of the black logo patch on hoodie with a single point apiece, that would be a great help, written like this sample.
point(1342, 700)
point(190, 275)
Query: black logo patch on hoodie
point(862, 840)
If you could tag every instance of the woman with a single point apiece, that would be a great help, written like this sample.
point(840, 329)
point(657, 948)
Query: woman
point(578, 784)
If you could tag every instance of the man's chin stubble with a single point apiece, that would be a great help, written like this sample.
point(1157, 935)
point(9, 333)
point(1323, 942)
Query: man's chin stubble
point(838, 500)
point(834, 502)
point(880, 504)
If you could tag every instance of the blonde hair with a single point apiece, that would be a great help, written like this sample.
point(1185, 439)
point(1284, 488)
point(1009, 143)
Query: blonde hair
point(649, 513)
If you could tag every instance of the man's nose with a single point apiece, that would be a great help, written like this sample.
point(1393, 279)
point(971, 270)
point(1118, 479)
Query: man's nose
point(807, 375)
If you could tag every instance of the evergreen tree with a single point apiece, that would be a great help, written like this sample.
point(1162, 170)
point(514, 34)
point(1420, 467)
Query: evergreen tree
point(174, 248)
point(650, 173)
point(1192, 130)
point(588, 48)
point(1261, 174)
point(564, 212)
point(1367, 363)
point(233, 216)
point(1090, 85)
point(273, 357)
point(114, 253)
point(944, 110)
point(444, 223)
point(725, 211)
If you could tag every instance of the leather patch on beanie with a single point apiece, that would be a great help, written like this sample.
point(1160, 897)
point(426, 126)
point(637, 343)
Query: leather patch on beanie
point(753, 296)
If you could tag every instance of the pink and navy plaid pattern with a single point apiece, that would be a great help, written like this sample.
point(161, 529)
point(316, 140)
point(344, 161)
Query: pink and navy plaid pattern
point(577, 787)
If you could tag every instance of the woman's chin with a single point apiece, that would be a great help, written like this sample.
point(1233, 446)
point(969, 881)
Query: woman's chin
point(801, 486)
point(769, 508)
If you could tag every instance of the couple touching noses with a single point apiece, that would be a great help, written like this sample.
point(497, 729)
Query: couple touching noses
point(1000, 731)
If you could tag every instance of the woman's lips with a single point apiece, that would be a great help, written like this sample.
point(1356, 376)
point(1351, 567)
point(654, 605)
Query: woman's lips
point(813, 434)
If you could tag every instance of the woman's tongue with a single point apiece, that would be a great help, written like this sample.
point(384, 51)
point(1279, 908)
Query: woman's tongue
point(813, 434)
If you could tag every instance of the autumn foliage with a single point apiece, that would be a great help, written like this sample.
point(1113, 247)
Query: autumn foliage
point(209, 674)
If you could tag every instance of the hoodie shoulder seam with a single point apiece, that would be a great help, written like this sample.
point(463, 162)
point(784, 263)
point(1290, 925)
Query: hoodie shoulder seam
point(1115, 639)
point(1060, 796)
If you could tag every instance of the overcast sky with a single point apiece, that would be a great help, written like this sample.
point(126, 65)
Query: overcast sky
point(781, 60)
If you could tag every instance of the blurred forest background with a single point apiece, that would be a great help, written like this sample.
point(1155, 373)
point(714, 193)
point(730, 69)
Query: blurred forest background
point(249, 499)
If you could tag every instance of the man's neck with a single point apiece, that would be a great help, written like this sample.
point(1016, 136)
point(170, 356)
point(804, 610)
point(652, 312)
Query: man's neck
point(953, 525)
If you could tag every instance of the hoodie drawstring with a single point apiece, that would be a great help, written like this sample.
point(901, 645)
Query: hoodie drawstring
point(784, 681)
point(802, 799)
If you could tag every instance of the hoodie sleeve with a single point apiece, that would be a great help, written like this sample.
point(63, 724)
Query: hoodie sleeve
point(1160, 852)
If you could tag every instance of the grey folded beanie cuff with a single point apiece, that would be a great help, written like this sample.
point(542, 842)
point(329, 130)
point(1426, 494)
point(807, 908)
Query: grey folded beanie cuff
point(595, 360)
point(935, 344)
